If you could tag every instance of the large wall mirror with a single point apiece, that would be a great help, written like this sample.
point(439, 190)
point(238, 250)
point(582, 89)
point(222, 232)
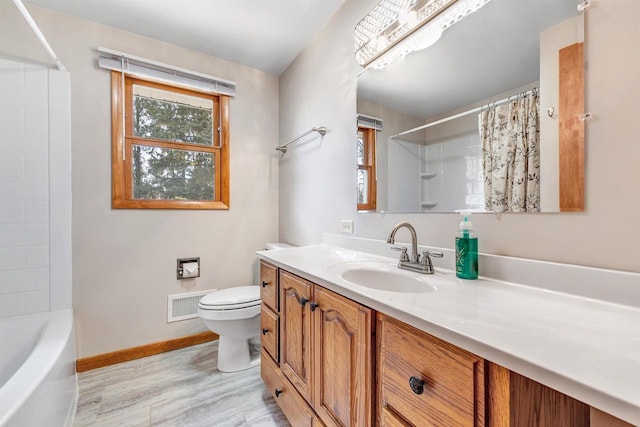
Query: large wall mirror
point(489, 118)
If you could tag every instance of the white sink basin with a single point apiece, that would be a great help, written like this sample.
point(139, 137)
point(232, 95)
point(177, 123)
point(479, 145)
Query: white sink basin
point(384, 277)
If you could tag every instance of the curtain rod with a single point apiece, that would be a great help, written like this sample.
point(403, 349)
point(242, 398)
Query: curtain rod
point(465, 113)
point(123, 62)
point(34, 27)
point(321, 130)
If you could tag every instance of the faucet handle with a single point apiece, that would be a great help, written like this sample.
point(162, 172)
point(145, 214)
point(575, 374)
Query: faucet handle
point(427, 265)
point(426, 259)
point(435, 254)
point(404, 257)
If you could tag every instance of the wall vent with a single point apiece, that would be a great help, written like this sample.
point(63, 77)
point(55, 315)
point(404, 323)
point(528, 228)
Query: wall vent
point(184, 306)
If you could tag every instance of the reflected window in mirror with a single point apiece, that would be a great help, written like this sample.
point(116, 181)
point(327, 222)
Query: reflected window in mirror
point(366, 146)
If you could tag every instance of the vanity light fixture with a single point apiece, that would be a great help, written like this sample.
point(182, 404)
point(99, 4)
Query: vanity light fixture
point(395, 28)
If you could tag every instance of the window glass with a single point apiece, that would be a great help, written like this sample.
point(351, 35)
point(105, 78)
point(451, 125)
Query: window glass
point(366, 168)
point(363, 187)
point(168, 174)
point(172, 116)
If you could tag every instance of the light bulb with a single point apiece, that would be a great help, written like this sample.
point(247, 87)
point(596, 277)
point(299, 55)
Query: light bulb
point(408, 17)
point(382, 42)
point(403, 16)
point(412, 19)
point(425, 37)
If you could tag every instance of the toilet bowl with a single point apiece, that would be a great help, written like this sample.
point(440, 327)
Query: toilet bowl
point(234, 314)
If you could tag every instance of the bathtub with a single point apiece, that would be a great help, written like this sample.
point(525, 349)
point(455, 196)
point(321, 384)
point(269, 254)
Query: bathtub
point(38, 385)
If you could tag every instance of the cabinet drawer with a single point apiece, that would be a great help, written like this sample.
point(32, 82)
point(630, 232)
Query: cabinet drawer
point(424, 381)
point(269, 329)
point(269, 285)
point(294, 407)
point(389, 419)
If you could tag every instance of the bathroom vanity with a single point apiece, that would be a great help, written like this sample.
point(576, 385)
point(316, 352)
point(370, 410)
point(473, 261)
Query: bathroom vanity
point(338, 351)
point(325, 348)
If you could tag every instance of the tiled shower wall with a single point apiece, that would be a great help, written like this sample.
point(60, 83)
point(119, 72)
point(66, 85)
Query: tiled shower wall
point(27, 93)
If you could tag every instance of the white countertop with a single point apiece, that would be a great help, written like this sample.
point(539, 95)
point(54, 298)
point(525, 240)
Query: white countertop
point(586, 348)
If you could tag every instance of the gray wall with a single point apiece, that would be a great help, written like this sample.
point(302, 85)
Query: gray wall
point(318, 178)
point(124, 260)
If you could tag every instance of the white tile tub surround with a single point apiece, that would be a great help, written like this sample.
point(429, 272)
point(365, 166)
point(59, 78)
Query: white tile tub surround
point(23, 191)
point(60, 274)
point(35, 189)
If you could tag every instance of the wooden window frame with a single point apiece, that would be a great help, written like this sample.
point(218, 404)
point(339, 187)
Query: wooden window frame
point(369, 146)
point(122, 180)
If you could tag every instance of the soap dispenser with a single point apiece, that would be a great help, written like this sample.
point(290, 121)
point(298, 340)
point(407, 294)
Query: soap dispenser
point(466, 249)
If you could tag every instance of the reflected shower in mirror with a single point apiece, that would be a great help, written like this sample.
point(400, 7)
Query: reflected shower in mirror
point(486, 119)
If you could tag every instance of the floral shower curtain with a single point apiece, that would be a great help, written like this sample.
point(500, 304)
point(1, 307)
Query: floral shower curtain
point(510, 136)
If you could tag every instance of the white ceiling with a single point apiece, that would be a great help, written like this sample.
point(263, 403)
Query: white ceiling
point(263, 34)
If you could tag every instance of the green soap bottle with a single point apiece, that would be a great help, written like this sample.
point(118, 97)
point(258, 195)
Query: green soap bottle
point(466, 249)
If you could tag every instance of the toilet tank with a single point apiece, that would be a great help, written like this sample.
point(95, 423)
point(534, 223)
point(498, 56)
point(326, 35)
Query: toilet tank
point(267, 247)
point(270, 246)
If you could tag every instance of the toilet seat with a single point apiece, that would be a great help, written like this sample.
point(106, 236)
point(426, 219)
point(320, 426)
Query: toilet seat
point(235, 314)
point(236, 298)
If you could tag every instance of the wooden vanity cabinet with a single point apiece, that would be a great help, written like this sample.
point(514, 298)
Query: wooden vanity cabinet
point(424, 381)
point(319, 363)
point(326, 352)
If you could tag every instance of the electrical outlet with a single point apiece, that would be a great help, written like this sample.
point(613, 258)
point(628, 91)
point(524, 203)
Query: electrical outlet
point(346, 226)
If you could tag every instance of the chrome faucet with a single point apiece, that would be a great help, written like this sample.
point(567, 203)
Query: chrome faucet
point(415, 262)
point(414, 239)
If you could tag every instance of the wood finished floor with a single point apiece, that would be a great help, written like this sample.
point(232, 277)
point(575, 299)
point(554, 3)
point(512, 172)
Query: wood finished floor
point(178, 388)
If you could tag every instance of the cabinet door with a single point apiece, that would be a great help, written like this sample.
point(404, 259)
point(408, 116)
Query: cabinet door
point(342, 360)
point(295, 332)
point(517, 401)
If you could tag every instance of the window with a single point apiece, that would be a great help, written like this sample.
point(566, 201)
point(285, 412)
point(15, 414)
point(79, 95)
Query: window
point(366, 168)
point(175, 149)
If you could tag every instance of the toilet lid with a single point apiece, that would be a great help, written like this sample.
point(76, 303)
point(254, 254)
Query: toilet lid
point(232, 298)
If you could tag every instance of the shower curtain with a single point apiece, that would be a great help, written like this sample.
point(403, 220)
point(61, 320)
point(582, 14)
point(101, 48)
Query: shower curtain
point(510, 135)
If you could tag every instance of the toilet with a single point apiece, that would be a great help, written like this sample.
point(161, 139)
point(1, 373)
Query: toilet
point(234, 314)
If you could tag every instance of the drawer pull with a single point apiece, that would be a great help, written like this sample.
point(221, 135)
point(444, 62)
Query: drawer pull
point(265, 284)
point(303, 301)
point(278, 392)
point(417, 385)
point(265, 331)
point(313, 306)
